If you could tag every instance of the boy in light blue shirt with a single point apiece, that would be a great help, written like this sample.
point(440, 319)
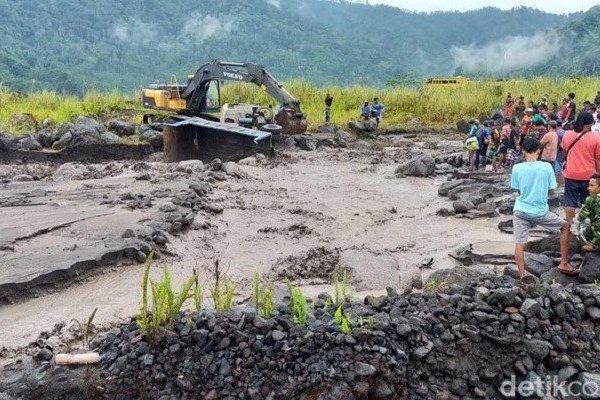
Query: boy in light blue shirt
point(534, 179)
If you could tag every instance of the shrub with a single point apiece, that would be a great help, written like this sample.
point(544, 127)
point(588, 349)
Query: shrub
point(262, 297)
point(341, 290)
point(298, 304)
point(223, 290)
point(342, 320)
point(166, 303)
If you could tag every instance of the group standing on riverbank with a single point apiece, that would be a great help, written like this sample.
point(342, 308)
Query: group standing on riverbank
point(536, 176)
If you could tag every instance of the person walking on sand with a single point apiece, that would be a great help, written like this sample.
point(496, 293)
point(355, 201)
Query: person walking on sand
point(328, 103)
point(533, 180)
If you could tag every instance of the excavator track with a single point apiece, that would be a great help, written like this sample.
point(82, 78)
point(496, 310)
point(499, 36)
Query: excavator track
point(198, 138)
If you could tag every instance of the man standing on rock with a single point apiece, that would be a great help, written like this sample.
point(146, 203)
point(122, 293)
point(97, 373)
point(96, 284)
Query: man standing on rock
point(534, 179)
point(328, 102)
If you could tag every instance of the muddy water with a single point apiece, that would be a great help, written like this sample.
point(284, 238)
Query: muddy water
point(276, 213)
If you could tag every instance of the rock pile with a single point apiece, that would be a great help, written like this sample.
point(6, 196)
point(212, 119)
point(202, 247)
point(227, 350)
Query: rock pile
point(463, 343)
point(476, 197)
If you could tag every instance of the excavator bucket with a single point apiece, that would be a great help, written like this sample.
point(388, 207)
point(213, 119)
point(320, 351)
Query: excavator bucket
point(201, 139)
point(292, 122)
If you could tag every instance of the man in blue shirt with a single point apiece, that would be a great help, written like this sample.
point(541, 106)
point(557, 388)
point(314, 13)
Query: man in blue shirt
point(534, 179)
point(377, 110)
point(365, 111)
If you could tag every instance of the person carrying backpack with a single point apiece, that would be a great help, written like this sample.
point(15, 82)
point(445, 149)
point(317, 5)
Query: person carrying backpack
point(483, 138)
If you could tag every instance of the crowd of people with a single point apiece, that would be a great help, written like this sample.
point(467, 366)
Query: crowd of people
point(545, 148)
point(499, 140)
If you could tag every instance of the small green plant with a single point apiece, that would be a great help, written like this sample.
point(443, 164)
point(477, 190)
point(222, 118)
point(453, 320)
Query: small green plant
point(256, 290)
point(341, 290)
point(597, 283)
point(298, 304)
point(223, 290)
point(262, 297)
point(366, 322)
point(342, 320)
point(166, 303)
point(87, 329)
point(197, 294)
point(345, 326)
point(328, 303)
point(433, 286)
point(267, 305)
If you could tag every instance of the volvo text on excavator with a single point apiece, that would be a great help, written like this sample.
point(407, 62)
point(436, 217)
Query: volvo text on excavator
point(202, 127)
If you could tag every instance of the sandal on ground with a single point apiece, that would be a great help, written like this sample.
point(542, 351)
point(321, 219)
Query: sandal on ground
point(570, 271)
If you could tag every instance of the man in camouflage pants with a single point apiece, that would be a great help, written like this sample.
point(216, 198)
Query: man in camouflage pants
point(589, 216)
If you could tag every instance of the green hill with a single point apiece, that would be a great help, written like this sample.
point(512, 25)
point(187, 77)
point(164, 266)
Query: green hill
point(72, 46)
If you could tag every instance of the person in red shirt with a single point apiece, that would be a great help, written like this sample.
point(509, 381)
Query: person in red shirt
point(508, 106)
point(564, 110)
point(582, 157)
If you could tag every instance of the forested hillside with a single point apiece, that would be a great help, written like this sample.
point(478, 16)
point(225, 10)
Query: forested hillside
point(74, 45)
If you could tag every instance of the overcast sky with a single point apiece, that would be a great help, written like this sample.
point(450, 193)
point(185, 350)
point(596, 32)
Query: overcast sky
point(553, 6)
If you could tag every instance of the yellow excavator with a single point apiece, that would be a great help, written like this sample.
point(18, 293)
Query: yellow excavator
point(202, 127)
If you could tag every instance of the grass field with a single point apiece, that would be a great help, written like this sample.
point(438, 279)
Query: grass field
point(433, 107)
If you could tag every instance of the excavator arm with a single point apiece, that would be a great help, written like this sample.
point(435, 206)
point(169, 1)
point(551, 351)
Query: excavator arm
point(242, 72)
point(290, 117)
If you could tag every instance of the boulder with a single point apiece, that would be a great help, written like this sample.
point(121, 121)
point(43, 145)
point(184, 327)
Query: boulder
point(306, 143)
point(62, 143)
point(44, 137)
point(61, 130)
point(555, 276)
point(120, 128)
point(86, 133)
point(110, 138)
point(69, 171)
point(22, 178)
point(453, 276)
point(86, 125)
point(283, 142)
point(327, 128)
point(447, 186)
point(538, 264)
point(232, 169)
point(155, 138)
point(342, 135)
point(23, 120)
point(362, 126)
point(29, 143)
point(423, 166)
point(590, 268)
point(462, 206)
point(190, 166)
